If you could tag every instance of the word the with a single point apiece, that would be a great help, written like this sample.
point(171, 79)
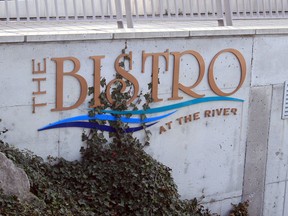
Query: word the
point(38, 81)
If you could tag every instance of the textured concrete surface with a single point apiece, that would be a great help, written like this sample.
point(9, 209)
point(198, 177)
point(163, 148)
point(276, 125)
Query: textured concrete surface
point(256, 148)
point(275, 200)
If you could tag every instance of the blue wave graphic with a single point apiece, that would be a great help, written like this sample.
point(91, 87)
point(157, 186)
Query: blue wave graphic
point(107, 118)
point(78, 121)
point(173, 107)
point(94, 125)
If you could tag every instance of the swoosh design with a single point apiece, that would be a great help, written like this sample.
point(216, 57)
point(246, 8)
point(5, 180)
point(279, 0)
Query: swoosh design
point(174, 106)
point(94, 125)
point(78, 121)
point(106, 117)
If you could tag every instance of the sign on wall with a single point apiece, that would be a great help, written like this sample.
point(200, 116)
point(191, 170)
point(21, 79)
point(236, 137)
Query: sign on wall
point(176, 88)
point(199, 88)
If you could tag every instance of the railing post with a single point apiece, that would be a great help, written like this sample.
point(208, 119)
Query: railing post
point(27, 10)
point(220, 14)
point(119, 15)
point(128, 10)
point(17, 10)
point(7, 11)
point(228, 13)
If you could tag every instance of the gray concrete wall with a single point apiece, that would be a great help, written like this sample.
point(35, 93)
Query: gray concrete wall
point(266, 165)
point(225, 158)
point(276, 196)
point(256, 148)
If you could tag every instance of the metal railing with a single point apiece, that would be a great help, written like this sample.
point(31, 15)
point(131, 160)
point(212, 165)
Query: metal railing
point(31, 10)
point(130, 11)
point(120, 10)
point(259, 9)
point(177, 9)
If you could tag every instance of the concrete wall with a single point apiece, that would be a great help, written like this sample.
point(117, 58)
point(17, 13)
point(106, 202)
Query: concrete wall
point(269, 73)
point(220, 159)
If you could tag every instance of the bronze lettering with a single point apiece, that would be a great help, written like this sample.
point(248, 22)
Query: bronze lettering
point(207, 113)
point(234, 111)
point(162, 130)
point(38, 71)
point(59, 82)
point(211, 78)
point(39, 80)
point(134, 88)
point(186, 89)
point(97, 80)
point(155, 68)
point(179, 120)
point(213, 113)
point(125, 74)
point(219, 111)
point(34, 105)
point(226, 111)
point(188, 118)
point(169, 124)
point(196, 116)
